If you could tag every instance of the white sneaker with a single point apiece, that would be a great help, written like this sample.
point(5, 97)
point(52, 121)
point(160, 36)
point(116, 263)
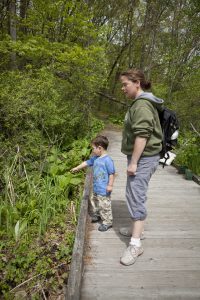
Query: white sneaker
point(130, 255)
point(127, 231)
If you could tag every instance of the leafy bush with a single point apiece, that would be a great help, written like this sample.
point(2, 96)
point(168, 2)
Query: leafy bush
point(188, 153)
point(38, 215)
point(118, 120)
point(48, 79)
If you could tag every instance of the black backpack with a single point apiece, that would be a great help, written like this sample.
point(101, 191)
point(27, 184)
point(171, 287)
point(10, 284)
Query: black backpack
point(170, 125)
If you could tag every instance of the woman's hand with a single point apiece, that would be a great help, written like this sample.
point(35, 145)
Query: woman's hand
point(131, 170)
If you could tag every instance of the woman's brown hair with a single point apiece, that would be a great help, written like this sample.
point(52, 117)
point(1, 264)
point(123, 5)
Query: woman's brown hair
point(137, 75)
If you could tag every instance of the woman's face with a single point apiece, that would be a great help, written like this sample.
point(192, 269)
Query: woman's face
point(129, 87)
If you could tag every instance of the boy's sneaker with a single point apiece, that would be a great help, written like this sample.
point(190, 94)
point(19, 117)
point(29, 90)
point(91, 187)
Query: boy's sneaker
point(127, 231)
point(104, 227)
point(130, 255)
point(95, 218)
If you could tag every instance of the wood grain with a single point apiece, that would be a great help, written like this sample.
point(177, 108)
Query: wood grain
point(170, 265)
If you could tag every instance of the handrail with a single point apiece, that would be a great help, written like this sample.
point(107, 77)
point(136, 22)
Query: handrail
point(76, 266)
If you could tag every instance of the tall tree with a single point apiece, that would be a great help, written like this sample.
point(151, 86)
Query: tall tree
point(13, 30)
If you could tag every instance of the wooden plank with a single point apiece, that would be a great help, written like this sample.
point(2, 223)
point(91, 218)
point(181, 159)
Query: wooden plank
point(138, 279)
point(112, 264)
point(155, 293)
point(189, 234)
point(163, 213)
point(150, 243)
point(170, 265)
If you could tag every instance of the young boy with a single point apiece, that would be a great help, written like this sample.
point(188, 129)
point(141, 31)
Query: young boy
point(103, 178)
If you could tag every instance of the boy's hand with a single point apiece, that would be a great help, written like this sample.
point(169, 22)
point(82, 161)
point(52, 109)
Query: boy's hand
point(109, 188)
point(74, 170)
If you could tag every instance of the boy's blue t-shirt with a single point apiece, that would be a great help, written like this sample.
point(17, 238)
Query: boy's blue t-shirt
point(102, 168)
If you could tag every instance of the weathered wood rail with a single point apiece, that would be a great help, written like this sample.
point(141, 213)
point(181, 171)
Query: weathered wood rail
point(170, 265)
point(76, 267)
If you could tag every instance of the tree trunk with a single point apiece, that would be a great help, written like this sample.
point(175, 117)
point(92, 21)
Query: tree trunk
point(12, 31)
point(145, 34)
point(23, 9)
point(12, 11)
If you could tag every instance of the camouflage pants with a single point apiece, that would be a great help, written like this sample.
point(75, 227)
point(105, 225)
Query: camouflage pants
point(101, 206)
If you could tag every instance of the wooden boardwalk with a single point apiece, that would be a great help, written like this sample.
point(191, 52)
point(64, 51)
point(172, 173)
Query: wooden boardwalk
point(170, 265)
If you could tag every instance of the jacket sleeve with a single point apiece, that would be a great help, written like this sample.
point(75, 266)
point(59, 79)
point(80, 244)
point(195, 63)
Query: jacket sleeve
point(142, 121)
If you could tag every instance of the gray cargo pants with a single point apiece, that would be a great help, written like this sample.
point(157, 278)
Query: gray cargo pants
point(137, 185)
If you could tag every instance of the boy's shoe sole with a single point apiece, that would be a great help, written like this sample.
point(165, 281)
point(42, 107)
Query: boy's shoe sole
point(126, 231)
point(104, 227)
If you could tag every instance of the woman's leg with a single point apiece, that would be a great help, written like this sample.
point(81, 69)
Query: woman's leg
point(138, 228)
point(136, 187)
point(136, 190)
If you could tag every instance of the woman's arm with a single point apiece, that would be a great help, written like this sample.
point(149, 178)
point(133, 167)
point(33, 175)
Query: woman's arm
point(138, 149)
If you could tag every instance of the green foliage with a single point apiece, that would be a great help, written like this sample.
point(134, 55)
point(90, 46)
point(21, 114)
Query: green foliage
point(186, 101)
point(47, 258)
point(49, 76)
point(65, 51)
point(188, 153)
point(33, 198)
point(36, 209)
point(117, 120)
point(45, 105)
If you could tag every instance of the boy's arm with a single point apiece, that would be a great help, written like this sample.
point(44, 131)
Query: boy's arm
point(110, 183)
point(79, 167)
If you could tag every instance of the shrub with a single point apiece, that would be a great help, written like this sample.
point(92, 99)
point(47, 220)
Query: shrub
point(189, 152)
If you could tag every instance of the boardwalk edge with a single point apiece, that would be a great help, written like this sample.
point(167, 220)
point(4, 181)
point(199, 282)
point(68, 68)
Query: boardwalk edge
point(195, 177)
point(76, 267)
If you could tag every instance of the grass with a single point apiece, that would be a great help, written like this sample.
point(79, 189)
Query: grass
point(38, 217)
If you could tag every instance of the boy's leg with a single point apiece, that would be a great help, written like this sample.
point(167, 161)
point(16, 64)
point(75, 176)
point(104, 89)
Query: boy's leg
point(95, 207)
point(105, 210)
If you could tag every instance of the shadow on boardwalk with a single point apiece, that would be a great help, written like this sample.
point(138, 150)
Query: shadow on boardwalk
point(170, 265)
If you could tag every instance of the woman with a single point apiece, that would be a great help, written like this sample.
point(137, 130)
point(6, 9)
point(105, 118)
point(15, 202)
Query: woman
point(141, 142)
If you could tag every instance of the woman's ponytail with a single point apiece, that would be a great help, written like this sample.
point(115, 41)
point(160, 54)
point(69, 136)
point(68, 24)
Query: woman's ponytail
point(146, 85)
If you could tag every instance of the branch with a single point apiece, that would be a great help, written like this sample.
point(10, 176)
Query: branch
point(112, 98)
point(195, 129)
point(33, 278)
point(118, 57)
point(24, 282)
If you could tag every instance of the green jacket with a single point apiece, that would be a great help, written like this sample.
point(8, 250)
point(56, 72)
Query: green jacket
point(142, 120)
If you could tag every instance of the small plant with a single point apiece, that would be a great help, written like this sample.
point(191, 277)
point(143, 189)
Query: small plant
point(117, 120)
point(188, 153)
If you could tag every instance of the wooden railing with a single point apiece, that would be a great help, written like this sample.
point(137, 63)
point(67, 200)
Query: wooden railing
point(76, 267)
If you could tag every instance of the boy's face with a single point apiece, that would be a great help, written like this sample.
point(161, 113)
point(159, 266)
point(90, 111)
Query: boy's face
point(97, 150)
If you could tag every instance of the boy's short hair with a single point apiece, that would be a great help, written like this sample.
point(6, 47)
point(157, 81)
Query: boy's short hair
point(100, 140)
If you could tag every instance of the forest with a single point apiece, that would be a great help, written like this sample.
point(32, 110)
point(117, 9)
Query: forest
point(59, 71)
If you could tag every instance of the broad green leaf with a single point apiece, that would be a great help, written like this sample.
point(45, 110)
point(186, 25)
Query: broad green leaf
point(76, 181)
